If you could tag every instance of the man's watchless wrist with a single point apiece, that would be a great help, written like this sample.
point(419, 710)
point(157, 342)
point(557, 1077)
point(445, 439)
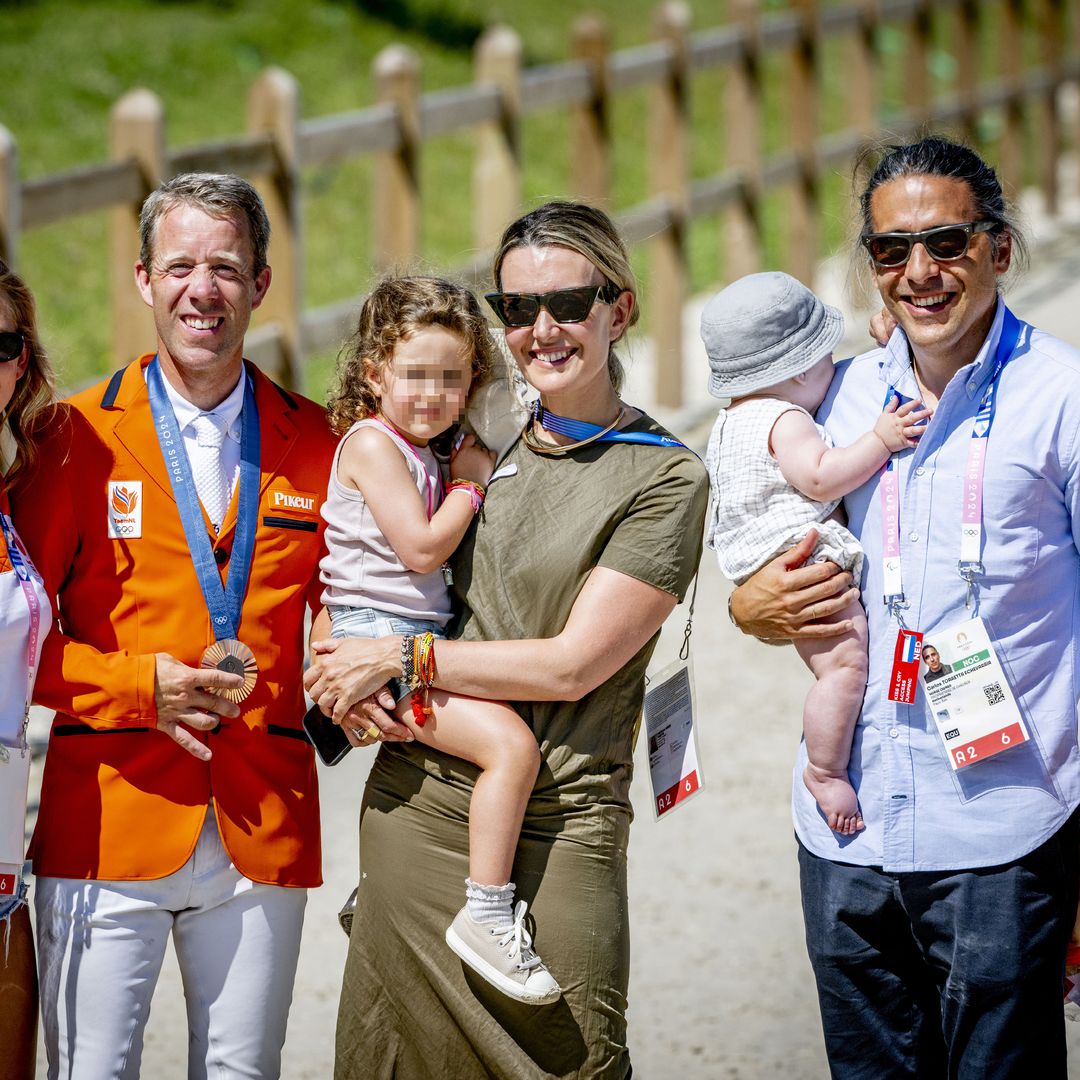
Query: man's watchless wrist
point(735, 623)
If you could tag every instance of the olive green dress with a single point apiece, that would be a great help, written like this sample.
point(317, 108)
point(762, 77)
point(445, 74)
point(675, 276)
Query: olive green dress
point(409, 1008)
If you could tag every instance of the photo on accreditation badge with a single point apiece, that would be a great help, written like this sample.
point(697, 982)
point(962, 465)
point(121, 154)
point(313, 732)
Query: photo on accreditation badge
point(935, 666)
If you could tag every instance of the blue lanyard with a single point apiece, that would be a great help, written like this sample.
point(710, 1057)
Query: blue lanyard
point(223, 602)
point(580, 430)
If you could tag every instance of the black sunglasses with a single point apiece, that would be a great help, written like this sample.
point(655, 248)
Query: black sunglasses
point(564, 305)
point(11, 345)
point(946, 243)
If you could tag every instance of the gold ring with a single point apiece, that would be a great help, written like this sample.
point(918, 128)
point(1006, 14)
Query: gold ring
point(373, 732)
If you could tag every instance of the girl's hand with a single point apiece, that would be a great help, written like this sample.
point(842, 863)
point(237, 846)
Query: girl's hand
point(471, 461)
point(898, 428)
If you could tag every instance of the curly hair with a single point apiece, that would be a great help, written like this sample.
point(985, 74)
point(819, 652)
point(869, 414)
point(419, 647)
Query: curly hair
point(395, 310)
point(32, 405)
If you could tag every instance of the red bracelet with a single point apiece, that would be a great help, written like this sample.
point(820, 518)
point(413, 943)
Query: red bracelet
point(477, 493)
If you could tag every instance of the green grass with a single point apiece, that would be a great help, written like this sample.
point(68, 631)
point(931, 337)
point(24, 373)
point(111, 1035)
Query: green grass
point(65, 64)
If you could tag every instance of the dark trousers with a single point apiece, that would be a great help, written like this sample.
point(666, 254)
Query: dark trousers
point(951, 974)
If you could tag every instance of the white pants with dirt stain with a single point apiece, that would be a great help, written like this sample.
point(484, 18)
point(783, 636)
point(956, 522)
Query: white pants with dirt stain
point(101, 945)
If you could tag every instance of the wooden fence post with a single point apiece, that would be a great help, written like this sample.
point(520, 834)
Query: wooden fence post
point(396, 201)
point(10, 212)
point(274, 109)
point(744, 113)
point(136, 133)
point(804, 198)
point(497, 173)
point(966, 48)
point(1051, 31)
point(1011, 58)
point(917, 86)
point(863, 67)
point(590, 119)
point(668, 159)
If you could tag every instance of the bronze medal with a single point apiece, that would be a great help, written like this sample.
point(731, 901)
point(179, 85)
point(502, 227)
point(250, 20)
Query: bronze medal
point(237, 659)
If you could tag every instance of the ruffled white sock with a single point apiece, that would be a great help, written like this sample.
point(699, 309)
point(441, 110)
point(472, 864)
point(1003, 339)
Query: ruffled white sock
point(490, 903)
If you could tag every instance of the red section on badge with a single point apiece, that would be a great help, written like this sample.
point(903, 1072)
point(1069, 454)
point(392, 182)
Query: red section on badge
point(986, 746)
point(905, 670)
point(7, 884)
point(666, 800)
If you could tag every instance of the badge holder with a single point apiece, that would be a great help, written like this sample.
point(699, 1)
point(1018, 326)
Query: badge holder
point(14, 785)
point(674, 764)
point(983, 729)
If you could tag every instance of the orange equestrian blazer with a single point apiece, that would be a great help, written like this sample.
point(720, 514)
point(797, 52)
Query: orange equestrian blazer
point(120, 800)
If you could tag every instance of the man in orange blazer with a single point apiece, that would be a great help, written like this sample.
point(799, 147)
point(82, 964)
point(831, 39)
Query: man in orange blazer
point(167, 808)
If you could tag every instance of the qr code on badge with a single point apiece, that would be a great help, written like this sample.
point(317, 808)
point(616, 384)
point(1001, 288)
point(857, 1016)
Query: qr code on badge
point(994, 694)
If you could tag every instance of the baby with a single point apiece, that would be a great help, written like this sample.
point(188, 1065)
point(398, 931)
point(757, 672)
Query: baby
point(775, 475)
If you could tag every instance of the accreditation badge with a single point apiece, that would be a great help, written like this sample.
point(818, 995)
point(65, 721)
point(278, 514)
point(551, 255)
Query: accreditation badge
point(14, 784)
point(669, 726)
point(905, 667)
point(968, 695)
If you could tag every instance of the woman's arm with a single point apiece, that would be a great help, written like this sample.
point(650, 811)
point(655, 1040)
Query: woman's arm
point(786, 600)
point(613, 617)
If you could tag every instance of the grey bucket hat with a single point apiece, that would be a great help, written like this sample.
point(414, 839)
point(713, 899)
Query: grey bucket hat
point(763, 329)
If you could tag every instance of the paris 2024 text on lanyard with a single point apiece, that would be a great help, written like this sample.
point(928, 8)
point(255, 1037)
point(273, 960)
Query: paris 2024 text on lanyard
point(972, 704)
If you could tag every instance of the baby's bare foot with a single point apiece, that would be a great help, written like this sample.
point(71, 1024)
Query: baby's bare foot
point(836, 798)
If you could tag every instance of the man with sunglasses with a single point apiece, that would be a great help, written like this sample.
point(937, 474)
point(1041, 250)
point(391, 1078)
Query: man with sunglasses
point(938, 934)
point(181, 539)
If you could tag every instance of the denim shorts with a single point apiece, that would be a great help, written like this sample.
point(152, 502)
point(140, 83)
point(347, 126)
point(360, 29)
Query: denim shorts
point(10, 904)
point(369, 622)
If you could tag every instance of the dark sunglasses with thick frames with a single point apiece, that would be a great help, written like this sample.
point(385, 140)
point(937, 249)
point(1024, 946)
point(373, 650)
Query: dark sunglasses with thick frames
point(563, 305)
point(945, 243)
point(11, 345)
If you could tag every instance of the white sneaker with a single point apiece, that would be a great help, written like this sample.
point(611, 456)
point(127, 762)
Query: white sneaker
point(502, 954)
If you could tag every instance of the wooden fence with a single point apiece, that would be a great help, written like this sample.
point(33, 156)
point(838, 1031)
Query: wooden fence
point(1032, 65)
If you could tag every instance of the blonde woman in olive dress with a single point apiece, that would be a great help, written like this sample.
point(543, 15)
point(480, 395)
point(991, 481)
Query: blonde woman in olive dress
point(583, 548)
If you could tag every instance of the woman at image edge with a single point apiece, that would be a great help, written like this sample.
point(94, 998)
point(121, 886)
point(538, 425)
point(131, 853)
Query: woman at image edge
point(572, 568)
point(25, 391)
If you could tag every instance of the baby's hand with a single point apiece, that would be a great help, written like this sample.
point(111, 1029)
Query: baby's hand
point(896, 426)
point(471, 461)
point(882, 326)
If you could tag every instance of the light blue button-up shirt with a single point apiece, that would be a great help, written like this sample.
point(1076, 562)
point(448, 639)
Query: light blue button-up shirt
point(920, 815)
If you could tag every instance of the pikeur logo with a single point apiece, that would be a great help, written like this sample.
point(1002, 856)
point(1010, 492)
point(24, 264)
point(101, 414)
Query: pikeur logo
point(292, 500)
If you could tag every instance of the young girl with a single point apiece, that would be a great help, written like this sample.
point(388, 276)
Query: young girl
point(391, 525)
point(774, 476)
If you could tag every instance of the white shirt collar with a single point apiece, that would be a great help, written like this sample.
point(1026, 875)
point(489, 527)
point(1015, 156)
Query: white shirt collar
point(228, 411)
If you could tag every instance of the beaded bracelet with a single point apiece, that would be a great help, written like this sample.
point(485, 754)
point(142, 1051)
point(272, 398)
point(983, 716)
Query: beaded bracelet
point(418, 670)
point(477, 492)
point(408, 673)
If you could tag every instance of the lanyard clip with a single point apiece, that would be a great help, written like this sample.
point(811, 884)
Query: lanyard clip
point(895, 605)
point(969, 570)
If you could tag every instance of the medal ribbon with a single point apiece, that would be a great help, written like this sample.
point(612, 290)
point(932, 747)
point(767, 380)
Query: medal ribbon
point(20, 564)
point(970, 562)
point(222, 602)
point(580, 430)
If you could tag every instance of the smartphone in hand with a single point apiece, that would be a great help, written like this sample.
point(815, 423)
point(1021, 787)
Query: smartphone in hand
point(327, 737)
